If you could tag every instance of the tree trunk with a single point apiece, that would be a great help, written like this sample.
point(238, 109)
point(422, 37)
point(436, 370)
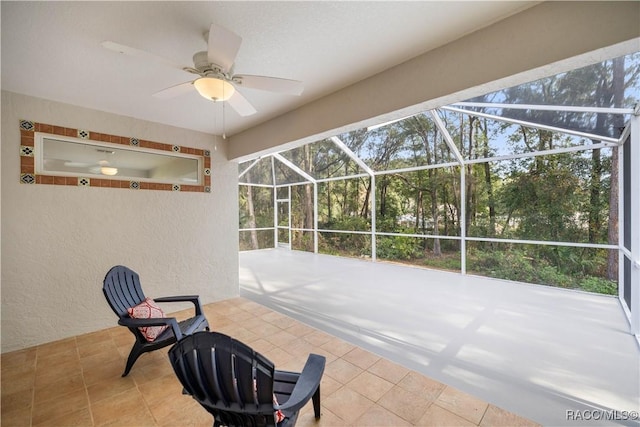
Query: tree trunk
point(618, 98)
point(364, 212)
point(383, 198)
point(594, 196)
point(469, 190)
point(328, 201)
point(612, 259)
point(252, 215)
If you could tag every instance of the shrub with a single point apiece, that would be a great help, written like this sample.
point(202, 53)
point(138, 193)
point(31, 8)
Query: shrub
point(398, 247)
point(599, 285)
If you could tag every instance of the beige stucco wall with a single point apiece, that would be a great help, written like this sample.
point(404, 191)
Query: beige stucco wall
point(547, 39)
point(59, 241)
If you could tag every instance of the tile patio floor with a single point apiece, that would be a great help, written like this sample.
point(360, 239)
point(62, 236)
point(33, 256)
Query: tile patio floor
point(76, 381)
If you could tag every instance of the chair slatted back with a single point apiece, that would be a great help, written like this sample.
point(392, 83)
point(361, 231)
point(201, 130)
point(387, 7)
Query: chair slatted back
point(122, 289)
point(229, 379)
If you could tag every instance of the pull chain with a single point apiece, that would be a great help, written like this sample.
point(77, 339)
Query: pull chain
point(224, 135)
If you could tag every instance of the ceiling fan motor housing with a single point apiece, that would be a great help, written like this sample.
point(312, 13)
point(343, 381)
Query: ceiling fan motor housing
point(201, 63)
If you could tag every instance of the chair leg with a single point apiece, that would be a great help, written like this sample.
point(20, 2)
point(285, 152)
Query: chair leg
point(136, 351)
point(316, 403)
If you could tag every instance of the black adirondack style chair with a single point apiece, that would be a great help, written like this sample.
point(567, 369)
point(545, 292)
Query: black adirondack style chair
point(239, 386)
point(122, 290)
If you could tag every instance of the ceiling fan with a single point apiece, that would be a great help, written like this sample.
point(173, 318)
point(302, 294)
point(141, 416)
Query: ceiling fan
point(82, 161)
point(214, 67)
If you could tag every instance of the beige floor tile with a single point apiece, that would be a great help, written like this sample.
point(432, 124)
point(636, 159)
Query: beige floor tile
point(47, 360)
point(388, 370)
point(300, 329)
point(240, 316)
point(124, 350)
point(342, 371)
point(59, 406)
point(317, 338)
point(377, 416)
point(56, 347)
point(181, 314)
point(17, 418)
point(327, 419)
point(96, 360)
point(263, 347)
point(128, 408)
point(347, 404)
point(17, 401)
point(22, 359)
point(462, 404)
point(264, 329)
point(94, 338)
point(328, 386)
point(300, 348)
point(179, 410)
point(281, 338)
point(56, 368)
point(361, 358)
point(437, 416)
point(227, 307)
point(107, 346)
point(289, 362)
point(159, 389)
point(22, 373)
point(278, 319)
point(251, 306)
point(330, 357)
point(119, 332)
point(241, 333)
point(105, 371)
point(17, 382)
point(151, 372)
point(338, 347)
point(251, 324)
point(79, 418)
point(423, 386)
point(124, 340)
point(371, 386)
point(45, 376)
point(405, 404)
point(217, 320)
point(495, 416)
point(109, 387)
point(64, 385)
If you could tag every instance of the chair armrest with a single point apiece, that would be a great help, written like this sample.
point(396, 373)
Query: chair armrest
point(160, 321)
point(307, 384)
point(195, 299)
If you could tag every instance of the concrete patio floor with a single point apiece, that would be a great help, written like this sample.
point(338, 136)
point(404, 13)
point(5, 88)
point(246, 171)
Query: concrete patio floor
point(550, 355)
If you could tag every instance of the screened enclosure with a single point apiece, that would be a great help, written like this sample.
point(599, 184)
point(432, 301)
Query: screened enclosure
point(537, 183)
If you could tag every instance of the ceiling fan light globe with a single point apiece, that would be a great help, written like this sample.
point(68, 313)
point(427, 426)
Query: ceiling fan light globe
point(106, 170)
point(214, 89)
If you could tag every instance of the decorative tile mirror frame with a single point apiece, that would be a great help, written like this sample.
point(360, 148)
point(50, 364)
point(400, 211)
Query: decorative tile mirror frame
point(32, 135)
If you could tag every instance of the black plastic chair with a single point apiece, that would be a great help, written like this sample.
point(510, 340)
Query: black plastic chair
point(122, 290)
point(237, 385)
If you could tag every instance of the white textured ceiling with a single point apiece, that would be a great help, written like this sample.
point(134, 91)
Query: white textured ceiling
point(52, 50)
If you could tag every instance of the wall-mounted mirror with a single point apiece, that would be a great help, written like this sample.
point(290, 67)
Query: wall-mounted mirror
point(59, 155)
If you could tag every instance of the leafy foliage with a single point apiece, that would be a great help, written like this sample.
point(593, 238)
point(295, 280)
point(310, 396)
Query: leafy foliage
point(540, 195)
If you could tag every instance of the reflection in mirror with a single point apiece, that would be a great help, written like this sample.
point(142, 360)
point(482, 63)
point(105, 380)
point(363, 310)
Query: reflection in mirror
point(70, 156)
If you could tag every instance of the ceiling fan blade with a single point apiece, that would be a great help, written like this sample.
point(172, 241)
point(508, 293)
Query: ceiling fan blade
point(223, 46)
point(173, 91)
point(271, 84)
point(132, 51)
point(240, 104)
